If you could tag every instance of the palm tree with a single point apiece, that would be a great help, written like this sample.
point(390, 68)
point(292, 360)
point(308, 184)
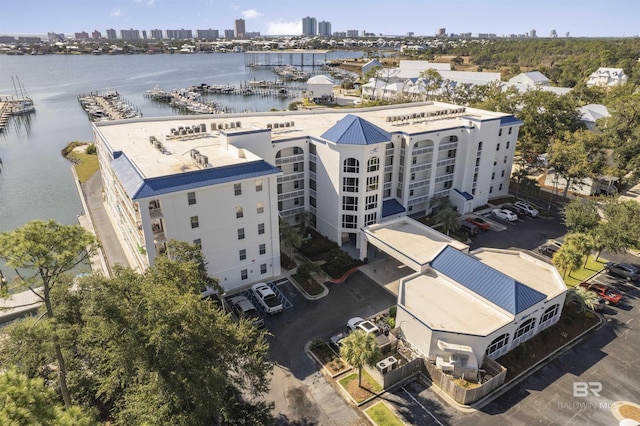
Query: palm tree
point(568, 259)
point(290, 236)
point(360, 349)
point(446, 216)
point(583, 297)
point(581, 243)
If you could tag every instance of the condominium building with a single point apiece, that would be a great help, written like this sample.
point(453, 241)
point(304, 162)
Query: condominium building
point(156, 34)
point(240, 28)
point(181, 34)
point(130, 34)
point(324, 28)
point(309, 26)
point(223, 182)
point(111, 34)
point(208, 34)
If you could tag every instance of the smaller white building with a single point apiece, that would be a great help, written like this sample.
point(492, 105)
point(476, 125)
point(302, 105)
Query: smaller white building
point(533, 78)
point(370, 65)
point(607, 77)
point(592, 113)
point(320, 87)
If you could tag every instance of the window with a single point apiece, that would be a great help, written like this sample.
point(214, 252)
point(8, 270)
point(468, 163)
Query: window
point(497, 147)
point(194, 222)
point(509, 130)
point(298, 201)
point(297, 150)
point(370, 218)
point(495, 161)
point(500, 187)
point(260, 207)
point(296, 167)
point(508, 143)
point(349, 221)
point(312, 201)
point(197, 242)
point(239, 212)
point(413, 176)
point(372, 183)
point(500, 132)
point(244, 275)
point(263, 268)
point(350, 184)
point(490, 189)
point(373, 165)
point(493, 175)
point(447, 184)
point(241, 233)
point(498, 343)
point(260, 228)
point(453, 139)
point(262, 248)
point(502, 174)
point(449, 169)
point(524, 328)
point(350, 203)
point(258, 185)
point(296, 184)
point(477, 161)
point(243, 254)
point(480, 146)
point(475, 177)
point(411, 193)
point(504, 160)
point(451, 153)
point(372, 202)
point(549, 313)
point(414, 160)
point(351, 165)
point(191, 198)
point(237, 188)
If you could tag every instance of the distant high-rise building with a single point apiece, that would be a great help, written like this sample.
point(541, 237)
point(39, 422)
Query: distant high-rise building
point(252, 34)
point(111, 34)
point(465, 35)
point(532, 34)
point(410, 34)
point(130, 34)
point(240, 29)
point(309, 26)
point(179, 34)
point(324, 28)
point(352, 33)
point(54, 37)
point(442, 32)
point(81, 35)
point(208, 34)
point(553, 34)
point(96, 35)
point(340, 34)
point(228, 34)
point(156, 34)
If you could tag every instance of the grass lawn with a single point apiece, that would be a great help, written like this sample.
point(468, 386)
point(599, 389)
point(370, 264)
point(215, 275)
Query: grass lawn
point(576, 277)
point(86, 165)
point(359, 393)
point(383, 416)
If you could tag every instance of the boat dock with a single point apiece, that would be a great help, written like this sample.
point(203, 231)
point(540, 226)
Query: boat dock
point(186, 100)
point(10, 106)
point(253, 88)
point(108, 106)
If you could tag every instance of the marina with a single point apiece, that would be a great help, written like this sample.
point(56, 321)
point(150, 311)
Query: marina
point(294, 57)
point(187, 101)
point(107, 106)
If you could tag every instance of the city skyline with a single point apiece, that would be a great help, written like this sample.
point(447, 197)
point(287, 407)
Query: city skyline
point(589, 18)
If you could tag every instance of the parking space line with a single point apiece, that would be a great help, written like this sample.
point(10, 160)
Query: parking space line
point(422, 406)
point(285, 302)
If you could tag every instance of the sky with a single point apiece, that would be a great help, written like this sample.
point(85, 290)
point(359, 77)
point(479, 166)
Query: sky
point(580, 18)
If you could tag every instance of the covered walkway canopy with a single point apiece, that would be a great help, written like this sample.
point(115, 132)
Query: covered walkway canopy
point(408, 241)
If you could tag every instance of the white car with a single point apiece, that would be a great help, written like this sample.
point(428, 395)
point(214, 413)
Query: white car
point(267, 298)
point(504, 215)
point(357, 323)
point(527, 208)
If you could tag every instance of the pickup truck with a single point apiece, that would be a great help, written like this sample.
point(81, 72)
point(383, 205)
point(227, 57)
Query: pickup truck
point(267, 298)
point(611, 297)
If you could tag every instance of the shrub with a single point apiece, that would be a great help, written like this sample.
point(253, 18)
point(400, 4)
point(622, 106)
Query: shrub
point(393, 311)
point(91, 149)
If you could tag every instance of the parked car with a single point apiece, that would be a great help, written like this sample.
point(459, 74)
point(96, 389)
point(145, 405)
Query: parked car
point(528, 209)
point(600, 304)
point(243, 308)
point(267, 298)
point(504, 214)
point(548, 249)
point(336, 340)
point(611, 297)
point(479, 222)
point(357, 323)
point(513, 209)
point(625, 270)
point(469, 228)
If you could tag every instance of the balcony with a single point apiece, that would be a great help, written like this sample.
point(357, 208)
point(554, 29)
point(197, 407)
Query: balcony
point(290, 176)
point(446, 162)
point(424, 150)
point(155, 213)
point(419, 183)
point(290, 159)
point(292, 211)
point(292, 194)
point(421, 167)
point(444, 178)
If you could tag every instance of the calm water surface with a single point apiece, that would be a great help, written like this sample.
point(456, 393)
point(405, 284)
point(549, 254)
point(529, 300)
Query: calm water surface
point(35, 181)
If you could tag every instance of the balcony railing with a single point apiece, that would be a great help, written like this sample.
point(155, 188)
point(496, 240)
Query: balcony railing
point(290, 159)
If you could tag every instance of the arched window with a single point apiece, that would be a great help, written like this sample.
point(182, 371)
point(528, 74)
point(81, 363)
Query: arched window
point(549, 314)
point(497, 344)
point(524, 328)
point(373, 165)
point(351, 165)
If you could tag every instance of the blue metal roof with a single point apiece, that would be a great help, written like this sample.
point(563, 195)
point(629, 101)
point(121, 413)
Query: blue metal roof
point(486, 282)
point(353, 130)
point(465, 194)
point(510, 120)
point(391, 207)
point(137, 187)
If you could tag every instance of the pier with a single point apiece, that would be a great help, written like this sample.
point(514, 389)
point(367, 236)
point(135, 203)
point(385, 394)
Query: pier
point(186, 100)
point(297, 57)
point(107, 106)
point(10, 106)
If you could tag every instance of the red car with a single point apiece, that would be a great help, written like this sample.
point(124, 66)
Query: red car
point(611, 297)
point(479, 222)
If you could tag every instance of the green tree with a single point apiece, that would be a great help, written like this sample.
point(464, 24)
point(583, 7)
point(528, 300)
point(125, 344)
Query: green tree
point(290, 236)
point(568, 259)
point(581, 243)
point(445, 215)
point(581, 215)
point(49, 250)
point(307, 269)
point(576, 156)
point(432, 82)
point(582, 297)
point(620, 230)
point(622, 128)
point(27, 401)
point(359, 349)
